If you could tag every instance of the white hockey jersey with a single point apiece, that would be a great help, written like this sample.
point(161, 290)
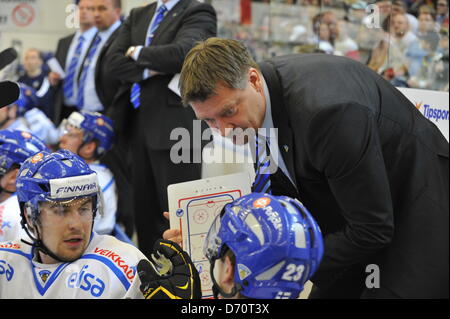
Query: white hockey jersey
point(105, 224)
point(10, 227)
point(35, 121)
point(106, 270)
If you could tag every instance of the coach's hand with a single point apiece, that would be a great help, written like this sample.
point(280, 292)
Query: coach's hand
point(170, 274)
point(172, 234)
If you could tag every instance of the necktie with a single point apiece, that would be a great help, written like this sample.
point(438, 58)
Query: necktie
point(84, 71)
point(136, 88)
point(262, 178)
point(71, 73)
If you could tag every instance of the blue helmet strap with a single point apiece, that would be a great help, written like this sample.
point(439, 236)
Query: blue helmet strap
point(38, 244)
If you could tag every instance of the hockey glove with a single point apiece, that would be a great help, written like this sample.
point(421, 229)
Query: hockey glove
point(170, 274)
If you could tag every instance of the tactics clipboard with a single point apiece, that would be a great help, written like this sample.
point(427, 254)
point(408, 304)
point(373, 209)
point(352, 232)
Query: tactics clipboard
point(193, 207)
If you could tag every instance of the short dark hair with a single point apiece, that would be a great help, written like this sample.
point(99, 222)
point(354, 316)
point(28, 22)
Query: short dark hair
point(117, 4)
point(214, 61)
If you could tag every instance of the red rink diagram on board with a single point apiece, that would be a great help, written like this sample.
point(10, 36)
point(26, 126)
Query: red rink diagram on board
point(193, 207)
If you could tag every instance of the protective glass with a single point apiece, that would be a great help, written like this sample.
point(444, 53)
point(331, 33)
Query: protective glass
point(211, 248)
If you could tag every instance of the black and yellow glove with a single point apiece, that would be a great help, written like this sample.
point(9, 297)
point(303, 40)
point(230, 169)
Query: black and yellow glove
point(170, 274)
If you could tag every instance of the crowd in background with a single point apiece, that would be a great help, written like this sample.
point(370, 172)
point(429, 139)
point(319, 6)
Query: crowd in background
point(405, 40)
point(408, 44)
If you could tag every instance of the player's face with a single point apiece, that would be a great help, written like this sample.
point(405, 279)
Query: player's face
point(105, 14)
point(72, 139)
point(232, 109)
point(65, 228)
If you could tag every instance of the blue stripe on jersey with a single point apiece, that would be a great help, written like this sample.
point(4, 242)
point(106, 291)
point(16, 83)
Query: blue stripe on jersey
point(19, 252)
point(108, 185)
point(119, 274)
point(43, 289)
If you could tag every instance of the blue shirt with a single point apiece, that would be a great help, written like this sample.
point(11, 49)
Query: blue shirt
point(88, 37)
point(91, 100)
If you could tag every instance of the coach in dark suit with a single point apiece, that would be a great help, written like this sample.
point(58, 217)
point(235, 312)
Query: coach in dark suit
point(146, 55)
point(62, 50)
point(106, 85)
point(70, 53)
point(367, 164)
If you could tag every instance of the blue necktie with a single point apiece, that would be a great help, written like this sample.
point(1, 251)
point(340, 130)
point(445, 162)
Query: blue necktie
point(71, 73)
point(262, 178)
point(84, 72)
point(136, 88)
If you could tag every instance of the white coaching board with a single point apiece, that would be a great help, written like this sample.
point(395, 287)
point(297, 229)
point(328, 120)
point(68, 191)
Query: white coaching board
point(193, 207)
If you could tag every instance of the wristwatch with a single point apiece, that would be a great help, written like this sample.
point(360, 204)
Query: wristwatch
point(130, 52)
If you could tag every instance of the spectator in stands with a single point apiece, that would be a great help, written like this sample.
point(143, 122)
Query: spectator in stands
point(399, 7)
point(385, 54)
point(34, 76)
point(415, 52)
point(343, 44)
point(427, 23)
point(426, 77)
point(401, 34)
point(442, 13)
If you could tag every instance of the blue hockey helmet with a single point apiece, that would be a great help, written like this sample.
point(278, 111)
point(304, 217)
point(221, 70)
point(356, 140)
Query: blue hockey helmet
point(55, 177)
point(59, 178)
point(94, 126)
point(27, 99)
point(16, 146)
point(276, 242)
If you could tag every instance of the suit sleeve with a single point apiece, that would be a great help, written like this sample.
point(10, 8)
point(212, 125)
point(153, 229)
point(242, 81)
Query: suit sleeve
point(199, 24)
point(343, 144)
point(122, 67)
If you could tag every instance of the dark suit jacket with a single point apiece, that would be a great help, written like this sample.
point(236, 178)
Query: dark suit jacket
point(369, 166)
point(161, 110)
point(106, 85)
point(61, 55)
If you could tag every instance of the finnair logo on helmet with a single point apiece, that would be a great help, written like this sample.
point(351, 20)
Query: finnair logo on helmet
point(77, 188)
point(74, 186)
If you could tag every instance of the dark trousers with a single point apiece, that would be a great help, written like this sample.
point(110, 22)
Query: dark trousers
point(153, 171)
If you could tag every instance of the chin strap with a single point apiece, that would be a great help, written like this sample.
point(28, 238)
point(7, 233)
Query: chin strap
point(216, 288)
point(39, 245)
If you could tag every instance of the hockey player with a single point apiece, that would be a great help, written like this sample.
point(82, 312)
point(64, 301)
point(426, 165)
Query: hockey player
point(59, 197)
point(260, 246)
point(25, 115)
point(15, 148)
point(90, 135)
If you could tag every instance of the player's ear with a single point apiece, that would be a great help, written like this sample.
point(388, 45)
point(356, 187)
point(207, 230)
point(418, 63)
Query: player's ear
point(228, 277)
point(88, 149)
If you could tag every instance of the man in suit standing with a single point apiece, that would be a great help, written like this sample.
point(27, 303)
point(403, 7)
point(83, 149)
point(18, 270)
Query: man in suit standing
point(70, 53)
point(368, 165)
point(146, 55)
point(94, 78)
